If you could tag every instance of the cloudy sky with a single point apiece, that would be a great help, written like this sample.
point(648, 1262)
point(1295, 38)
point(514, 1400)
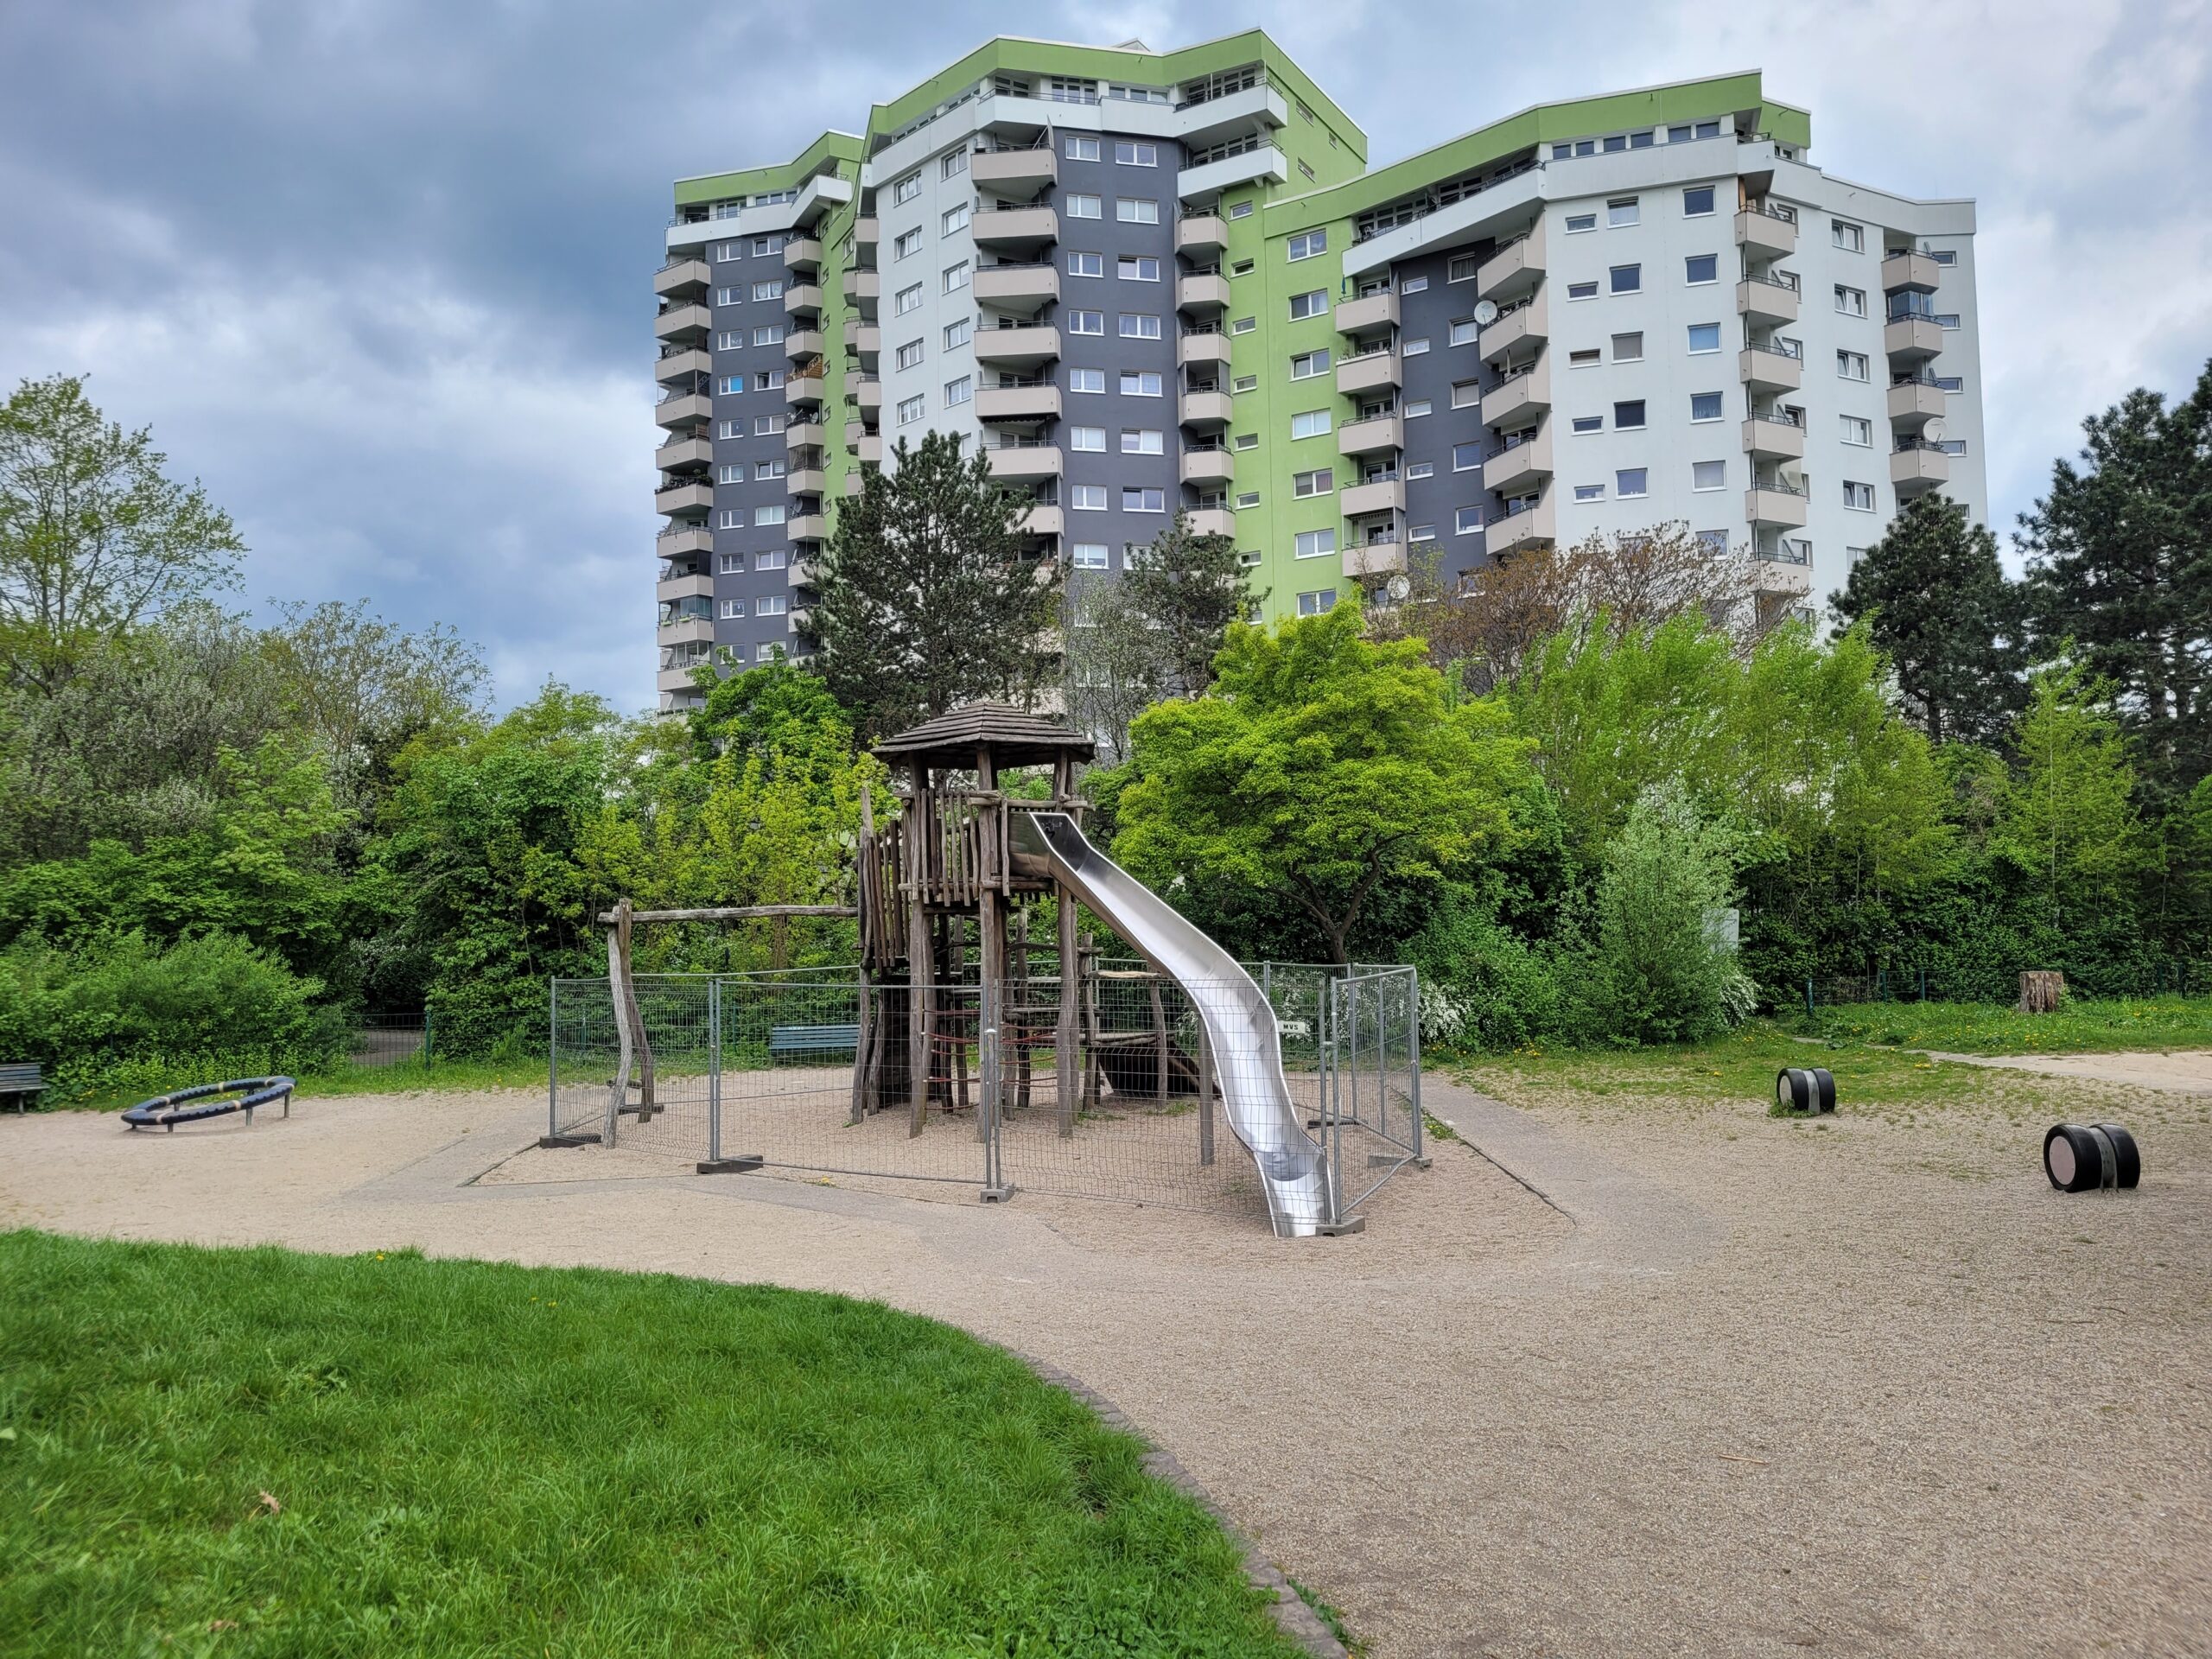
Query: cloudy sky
point(377, 270)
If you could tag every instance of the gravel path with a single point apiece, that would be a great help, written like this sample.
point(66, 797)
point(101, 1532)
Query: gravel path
point(1613, 1377)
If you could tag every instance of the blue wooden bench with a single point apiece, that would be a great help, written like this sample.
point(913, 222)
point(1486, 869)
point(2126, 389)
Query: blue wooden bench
point(793, 1042)
point(20, 1081)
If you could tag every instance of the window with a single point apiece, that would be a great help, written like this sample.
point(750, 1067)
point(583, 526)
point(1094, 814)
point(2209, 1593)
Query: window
point(729, 429)
point(1699, 268)
point(1417, 408)
point(906, 243)
point(1463, 331)
point(765, 245)
point(1315, 304)
point(1245, 440)
point(768, 380)
point(732, 607)
point(1630, 482)
point(1138, 326)
point(729, 565)
point(1086, 322)
point(762, 425)
point(729, 339)
point(1310, 424)
point(1628, 348)
point(1312, 544)
point(1642, 140)
point(1697, 201)
point(1249, 499)
point(725, 252)
point(955, 334)
point(730, 472)
point(1589, 491)
point(1140, 383)
point(1466, 521)
point(912, 410)
point(906, 189)
point(1082, 207)
point(771, 560)
point(1421, 533)
point(1087, 438)
point(764, 470)
point(1420, 469)
point(959, 391)
point(1952, 382)
point(1588, 358)
point(1705, 406)
point(1462, 268)
point(1086, 380)
point(1578, 223)
point(1319, 481)
point(1139, 500)
point(1466, 457)
point(952, 220)
point(768, 334)
point(1628, 414)
point(1627, 279)
point(1137, 268)
point(1244, 325)
point(1082, 148)
point(1944, 256)
point(1582, 290)
point(731, 518)
point(772, 605)
point(1704, 337)
point(1306, 365)
point(1708, 475)
point(952, 164)
point(1086, 264)
point(768, 515)
point(1622, 210)
point(1242, 268)
point(772, 289)
point(1306, 244)
point(1317, 603)
point(1857, 429)
point(1143, 441)
point(1136, 210)
point(1858, 496)
point(906, 299)
point(956, 277)
point(1087, 498)
point(1413, 285)
point(1129, 154)
point(1589, 423)
point(1466, 394)
point(729, 296)
point(1241, 210)
point(1414, 347)
point(1089, 555)
point(1947, 319)
point(909, 354)
point(1852, 238)
point(1851, 365)
point(1714, 541)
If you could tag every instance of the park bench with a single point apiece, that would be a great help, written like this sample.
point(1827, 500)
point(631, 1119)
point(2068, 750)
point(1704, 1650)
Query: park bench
point(21, 1080)
point(786, 1042)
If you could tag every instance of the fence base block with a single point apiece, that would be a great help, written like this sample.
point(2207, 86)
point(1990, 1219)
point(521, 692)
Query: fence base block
point(997, 1194)
point(1350, 1224)
point(744, 1164)
point(589, 1139)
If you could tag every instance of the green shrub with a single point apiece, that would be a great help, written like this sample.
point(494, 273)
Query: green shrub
point(1485, 987)
point(1659, 974)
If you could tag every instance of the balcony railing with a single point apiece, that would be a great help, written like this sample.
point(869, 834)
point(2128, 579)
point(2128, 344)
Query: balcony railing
point(1781, 210)
point(1776, 486)
point(1915, 378)
point(1911, 445)
point(1773, 279)
point(1785, 552)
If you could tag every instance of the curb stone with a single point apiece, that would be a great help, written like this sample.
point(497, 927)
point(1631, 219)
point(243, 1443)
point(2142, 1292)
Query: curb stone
point(1295, 1619)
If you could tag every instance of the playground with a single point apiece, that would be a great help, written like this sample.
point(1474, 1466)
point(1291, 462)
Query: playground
point(1632, 1367)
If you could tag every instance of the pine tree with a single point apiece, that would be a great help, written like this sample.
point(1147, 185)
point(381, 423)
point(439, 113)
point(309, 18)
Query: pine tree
point(928, 597)
point(1944, 614)
point(1189, 587)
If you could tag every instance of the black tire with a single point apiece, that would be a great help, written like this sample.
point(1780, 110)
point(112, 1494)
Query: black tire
point(1793, 1089)
point(2072, 1159)
point(1824, 1089)
point(2127, 1161)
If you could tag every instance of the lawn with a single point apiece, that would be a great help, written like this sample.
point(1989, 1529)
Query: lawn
point(2080, 1026)
point(260, 1451)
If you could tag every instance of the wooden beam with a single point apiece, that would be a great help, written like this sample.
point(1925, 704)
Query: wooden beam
point(736, 913)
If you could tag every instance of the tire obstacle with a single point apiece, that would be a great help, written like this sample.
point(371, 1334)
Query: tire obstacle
point(2090, 1157)
point(210, 1100)
point(1803, 1090)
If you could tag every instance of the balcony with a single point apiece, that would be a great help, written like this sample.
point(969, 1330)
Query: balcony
point(1776, 504)
point(801, 391)
point(1206, 409)
point(1384, 495)
point(1203, 291)
point(1201, 235)
point(868, 231)
point(803, 299)
point(679, 539)
point(1918, 466)
point(865, 393)
point(1912, 339)
point(1202, 349)
point(688, 631)
point(1213, 521)
point(803, 253)
point(684, 410)
point(682, 325)
point(1014, 227)
point(1201, 183)
point(682, 366)
point(1519, 468)
point(804, 434)
point(1916, 401)
point(1368, 312)
point(864, 339)
point(1532, 524)
point(1781, 578)
point(863, 287)
point(1769, 438)
point(802, 573)
point(806, 527)
point(671, 589)
point(1768, 231)
point(1017, 462)
point(868, 449)
point(684, 497)
point(1014, 172)
point(1517, 266)
point(681, 454)
point(1017, 287)
point(1368, 371)
point(1042, 520)
point(1230, 115)
point(1765, 300)
point(1514, 400)
point(679, 679)
point(1764, 370)
point(1203, 467)
point(682, 279)
point(1366, 437)
point(805, 480)
point(801, 344)
point(1374, 559)
point(1031, 403)
point(1917, 272)
point(1022, 348)
point(1529, 323)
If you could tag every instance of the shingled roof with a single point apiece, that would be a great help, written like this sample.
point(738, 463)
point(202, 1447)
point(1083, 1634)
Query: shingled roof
point(1015, 736)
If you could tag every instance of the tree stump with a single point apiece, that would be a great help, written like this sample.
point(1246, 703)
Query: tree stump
point(2040, 992)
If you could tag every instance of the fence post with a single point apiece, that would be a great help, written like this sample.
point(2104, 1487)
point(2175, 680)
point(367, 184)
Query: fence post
point(552, 1055)
point(715, 1070)
point(1809, 996)
point(427, 1019)
point(1413, 1052)
point(989, 1119)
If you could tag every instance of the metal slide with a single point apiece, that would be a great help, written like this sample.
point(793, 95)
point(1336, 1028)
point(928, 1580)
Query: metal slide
point(1240, 1024)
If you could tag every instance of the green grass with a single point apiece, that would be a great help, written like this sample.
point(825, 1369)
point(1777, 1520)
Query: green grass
point(261, 1453)
point(2080, 1026)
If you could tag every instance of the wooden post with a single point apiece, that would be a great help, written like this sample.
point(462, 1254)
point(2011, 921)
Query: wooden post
point(863, 1063)
point(2041, 993)
point(1087, 953)
point(623, 916)
point(1024, 993)
point(618, 1093)
point(1071, 981)
point(919, 1003)
point(1206, 1093)
point(1159, 1028)
point(991, 931)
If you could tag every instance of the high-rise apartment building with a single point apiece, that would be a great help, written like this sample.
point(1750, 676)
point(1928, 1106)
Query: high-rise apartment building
point(1149, 280)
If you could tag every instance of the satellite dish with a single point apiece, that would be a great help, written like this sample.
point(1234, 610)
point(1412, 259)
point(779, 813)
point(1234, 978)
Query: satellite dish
point(1485, 312)
point(1399, 588)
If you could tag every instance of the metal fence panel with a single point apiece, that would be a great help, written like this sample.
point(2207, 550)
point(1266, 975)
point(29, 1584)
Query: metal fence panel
point(1373, 1064)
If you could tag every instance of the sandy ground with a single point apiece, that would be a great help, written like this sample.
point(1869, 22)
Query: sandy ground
point(2184, 1070)
point(1660, 1379)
